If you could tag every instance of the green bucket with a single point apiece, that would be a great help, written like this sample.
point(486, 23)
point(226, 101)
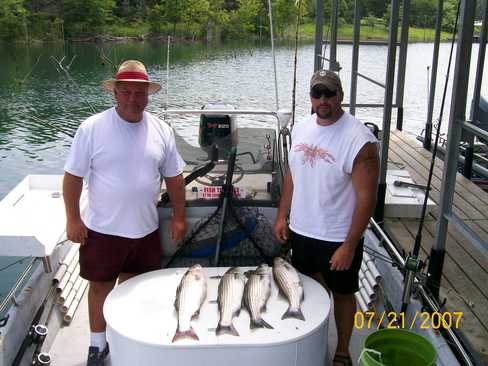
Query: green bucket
point(397, 347)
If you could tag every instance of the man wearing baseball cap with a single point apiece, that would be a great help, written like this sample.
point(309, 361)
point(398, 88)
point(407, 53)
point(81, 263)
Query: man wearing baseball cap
point(122, 154)
point(329, 193)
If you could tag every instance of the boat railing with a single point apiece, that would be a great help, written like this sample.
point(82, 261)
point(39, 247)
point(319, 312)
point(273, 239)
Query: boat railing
point(282, 116)
point(10, 297)
point(446, 210)
point(469, 126)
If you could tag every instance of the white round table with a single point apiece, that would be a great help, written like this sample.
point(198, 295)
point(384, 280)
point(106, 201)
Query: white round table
point(141, 323)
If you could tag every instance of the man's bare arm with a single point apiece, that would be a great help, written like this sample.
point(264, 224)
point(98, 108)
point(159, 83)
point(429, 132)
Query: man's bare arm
point(365, 173)
point(75, 228)
point(176, 191)
point(281, 226)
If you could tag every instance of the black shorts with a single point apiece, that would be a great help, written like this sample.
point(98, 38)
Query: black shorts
point(103, 257)
point(310, 256)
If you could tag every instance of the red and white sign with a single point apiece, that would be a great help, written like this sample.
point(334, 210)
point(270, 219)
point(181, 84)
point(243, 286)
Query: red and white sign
point(209, 193)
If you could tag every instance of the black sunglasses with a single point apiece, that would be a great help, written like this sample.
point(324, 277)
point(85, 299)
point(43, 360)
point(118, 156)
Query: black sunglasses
point(317, 93)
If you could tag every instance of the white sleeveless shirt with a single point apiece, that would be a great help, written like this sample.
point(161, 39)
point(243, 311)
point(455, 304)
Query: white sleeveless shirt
point(321, 160)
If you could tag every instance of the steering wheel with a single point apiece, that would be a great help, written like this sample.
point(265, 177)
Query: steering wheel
point(219, 180)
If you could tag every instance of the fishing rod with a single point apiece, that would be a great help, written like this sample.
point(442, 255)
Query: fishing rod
point(273, 53)
point(293, 95)
point(412, 263)
point(166, 97)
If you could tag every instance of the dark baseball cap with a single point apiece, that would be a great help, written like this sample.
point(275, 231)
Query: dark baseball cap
point(326, 78)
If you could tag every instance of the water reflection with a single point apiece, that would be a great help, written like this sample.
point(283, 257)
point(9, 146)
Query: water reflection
point(41, 106)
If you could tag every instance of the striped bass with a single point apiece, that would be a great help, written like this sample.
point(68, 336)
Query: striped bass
point(256, 294)
point(230, 292)
point(290, 285)
point(190, 295)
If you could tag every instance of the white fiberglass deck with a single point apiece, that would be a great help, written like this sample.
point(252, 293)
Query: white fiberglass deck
point(141, 322)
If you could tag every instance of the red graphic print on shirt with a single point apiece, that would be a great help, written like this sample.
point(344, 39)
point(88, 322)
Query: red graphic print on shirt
point(311, 153)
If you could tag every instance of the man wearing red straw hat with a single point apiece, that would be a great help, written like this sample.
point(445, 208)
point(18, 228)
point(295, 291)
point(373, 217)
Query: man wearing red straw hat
point(121, 154)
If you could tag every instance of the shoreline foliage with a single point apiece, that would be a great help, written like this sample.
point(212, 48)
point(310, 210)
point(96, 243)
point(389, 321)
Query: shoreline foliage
point(195, 20)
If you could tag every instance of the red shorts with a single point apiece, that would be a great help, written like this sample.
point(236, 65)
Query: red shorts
point(103, 257)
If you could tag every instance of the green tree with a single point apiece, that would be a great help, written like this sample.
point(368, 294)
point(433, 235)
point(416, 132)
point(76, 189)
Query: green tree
point(157, 17)
point(244, 20)
point(172, 12)
point(218, 18)
point(87, 16)
point(13, 19)
point(375, 8)
point(284, 14)
point(195, 16)
point(449, 15)
point(423, 13)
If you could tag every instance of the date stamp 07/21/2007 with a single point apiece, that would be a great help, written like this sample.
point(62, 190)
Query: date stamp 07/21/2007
point(419, 319)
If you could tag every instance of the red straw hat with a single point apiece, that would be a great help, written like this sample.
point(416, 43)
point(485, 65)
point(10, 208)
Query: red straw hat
point(132, 70)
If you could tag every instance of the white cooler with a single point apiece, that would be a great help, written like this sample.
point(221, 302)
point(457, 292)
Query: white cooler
point(141, 323)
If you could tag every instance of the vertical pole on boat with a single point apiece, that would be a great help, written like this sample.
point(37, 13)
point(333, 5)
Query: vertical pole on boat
point(389, 85)
point(270, 9)
point(474, 115)
point(433, 78)
point(456, 119)
point(402, 63)
point(355, 57)
point(334, 14)
point(319, 41)
point(226, 196)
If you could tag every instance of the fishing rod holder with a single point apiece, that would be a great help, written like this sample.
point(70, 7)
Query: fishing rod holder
point(42, 359)
point(38, 333)
point(414, 264)
point(412, 267)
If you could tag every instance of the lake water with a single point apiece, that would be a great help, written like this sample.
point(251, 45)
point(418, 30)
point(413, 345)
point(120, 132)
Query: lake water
point(37, 99)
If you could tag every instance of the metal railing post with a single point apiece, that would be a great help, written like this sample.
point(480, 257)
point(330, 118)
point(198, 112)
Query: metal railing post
point(402, 63)
point(334, 14)
point(389, 85)
point(469, 153)
point(355, 56)
point(433, 79)
point(319, 41)
point(457, 113)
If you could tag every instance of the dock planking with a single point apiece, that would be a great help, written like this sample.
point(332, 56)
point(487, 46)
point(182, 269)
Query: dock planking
point(465, 274)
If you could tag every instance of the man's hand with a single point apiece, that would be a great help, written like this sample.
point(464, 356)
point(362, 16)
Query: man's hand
point(76, 231)
point(342, 258)
point(281, 230)
point(177, 228)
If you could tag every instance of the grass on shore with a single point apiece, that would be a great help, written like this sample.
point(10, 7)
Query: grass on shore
point(307, 32)
point(345, 32)
point(378, 32)
point(127, 30)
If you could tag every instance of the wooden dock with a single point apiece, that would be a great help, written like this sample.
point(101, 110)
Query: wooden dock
point(465, 274)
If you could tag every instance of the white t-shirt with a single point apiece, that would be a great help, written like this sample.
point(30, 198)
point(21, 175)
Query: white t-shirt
point(122, 164)
point(321, 160)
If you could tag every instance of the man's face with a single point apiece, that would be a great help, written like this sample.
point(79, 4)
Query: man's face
point(326, 103)
point(131, 99)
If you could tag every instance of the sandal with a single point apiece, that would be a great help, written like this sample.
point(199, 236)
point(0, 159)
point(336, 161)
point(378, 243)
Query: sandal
point(344, 359)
